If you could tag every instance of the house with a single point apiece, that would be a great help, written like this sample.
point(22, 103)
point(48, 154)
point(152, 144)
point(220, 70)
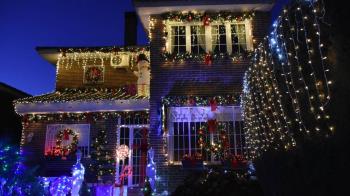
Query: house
point(179, 95)
point(10, 122)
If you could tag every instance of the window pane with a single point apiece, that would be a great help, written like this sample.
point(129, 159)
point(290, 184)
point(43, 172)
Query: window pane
point(238, 36)
point(178, 39)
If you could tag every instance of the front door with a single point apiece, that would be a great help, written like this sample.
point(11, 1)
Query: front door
point(132, 170)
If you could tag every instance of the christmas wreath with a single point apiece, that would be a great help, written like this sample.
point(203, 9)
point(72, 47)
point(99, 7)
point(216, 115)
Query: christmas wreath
point(64, 135)
point(116, 60)
point(94, 74)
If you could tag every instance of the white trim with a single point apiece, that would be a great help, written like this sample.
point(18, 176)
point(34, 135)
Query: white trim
point(228, 37)
point(188, 38)
point(249, 34)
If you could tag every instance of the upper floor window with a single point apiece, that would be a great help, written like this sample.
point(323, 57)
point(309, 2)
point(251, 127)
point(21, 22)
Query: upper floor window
point(218, 37)
point(178, 39)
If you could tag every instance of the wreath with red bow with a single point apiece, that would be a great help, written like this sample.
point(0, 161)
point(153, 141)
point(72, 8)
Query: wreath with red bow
point(94, 74)
point(64, 135)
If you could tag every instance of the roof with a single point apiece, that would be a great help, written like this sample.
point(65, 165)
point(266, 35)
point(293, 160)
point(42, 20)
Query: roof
point(11, 91)
point(146, 8)
point(82, 100)
point(51, 54)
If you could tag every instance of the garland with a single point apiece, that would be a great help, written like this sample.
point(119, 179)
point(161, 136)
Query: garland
point(206, 17)
point(88, 116)
point(176, 101)
point(208, 58)
point(64, 135)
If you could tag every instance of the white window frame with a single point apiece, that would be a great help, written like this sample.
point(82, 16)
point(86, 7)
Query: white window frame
point(229, 114)
point(53, 129)
point(208, 35)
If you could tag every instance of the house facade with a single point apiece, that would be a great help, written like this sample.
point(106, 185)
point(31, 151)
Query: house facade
point(179, 96)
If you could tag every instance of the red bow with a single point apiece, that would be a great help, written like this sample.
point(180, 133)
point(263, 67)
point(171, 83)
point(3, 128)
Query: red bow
point(206, 21)
point(213, 105)
point(66, 134)
point(208, 59)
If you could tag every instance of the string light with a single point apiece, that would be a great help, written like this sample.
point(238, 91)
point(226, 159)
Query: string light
point(286, 89)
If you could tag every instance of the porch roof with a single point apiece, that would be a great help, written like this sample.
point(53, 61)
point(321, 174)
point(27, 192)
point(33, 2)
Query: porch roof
point(82, 100)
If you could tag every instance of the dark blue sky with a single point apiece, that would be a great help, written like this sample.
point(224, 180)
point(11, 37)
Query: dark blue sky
point(26, 24)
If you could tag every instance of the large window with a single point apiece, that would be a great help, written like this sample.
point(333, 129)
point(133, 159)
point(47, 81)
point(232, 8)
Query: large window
point(218, 37)
point(178, 38)
point(185, 122)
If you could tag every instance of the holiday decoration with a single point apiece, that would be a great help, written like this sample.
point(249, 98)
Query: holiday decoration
point(118, 57)
point(102, 160)
point(122, 152)
point(151, 172)
point(220, 148)
point(63, 137)
point(208, 59)
point(93, 74)
point(176, 101)
point(15, 178)
point(206, 20)
point(287, 89)
point(80, 95)
point(207, 17)
point(88, 116)
point(78, 172)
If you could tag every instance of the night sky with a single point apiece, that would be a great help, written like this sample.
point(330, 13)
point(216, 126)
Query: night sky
point(25, 25)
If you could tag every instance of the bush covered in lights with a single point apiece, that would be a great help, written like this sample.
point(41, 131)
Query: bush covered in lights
point(15, 179)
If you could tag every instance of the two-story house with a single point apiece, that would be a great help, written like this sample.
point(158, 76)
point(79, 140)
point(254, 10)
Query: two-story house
point(179, 95)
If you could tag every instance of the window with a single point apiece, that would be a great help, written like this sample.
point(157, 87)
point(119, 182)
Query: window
point(178, 37)
point(83, 131)
point(197, 39)
point(219, 37)
point(184, 124)
point(218, 33)
point(238, 36)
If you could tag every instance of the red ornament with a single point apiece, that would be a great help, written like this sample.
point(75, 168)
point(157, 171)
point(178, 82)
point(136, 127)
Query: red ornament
point(206, 21)
point(208, 59)
point(131, 89)
point(213, 105)
point(190, 18)
point(212, 125)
